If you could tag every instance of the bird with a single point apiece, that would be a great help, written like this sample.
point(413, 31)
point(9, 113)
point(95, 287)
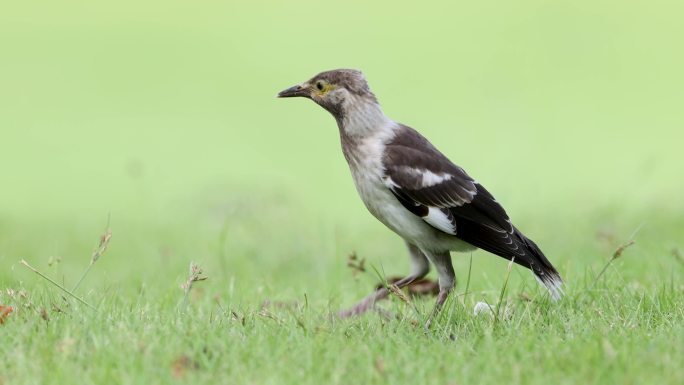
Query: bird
point(417, 192)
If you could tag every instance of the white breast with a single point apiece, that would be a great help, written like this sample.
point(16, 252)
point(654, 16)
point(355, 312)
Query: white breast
point(365, 162)
point(365, 134)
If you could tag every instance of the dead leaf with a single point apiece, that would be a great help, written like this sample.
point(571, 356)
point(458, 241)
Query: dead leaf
point(5, 311)
point(182, 364)
point(525, 297)
point(379, 365)
point(44, 314)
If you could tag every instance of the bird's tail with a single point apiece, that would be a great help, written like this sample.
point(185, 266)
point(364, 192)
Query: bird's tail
point(553, 282)
point(543, 270)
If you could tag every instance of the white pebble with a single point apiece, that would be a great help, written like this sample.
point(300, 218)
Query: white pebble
point(483, 307)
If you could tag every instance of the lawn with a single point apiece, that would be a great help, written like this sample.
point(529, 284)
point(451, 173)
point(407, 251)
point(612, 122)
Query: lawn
point(158, 122)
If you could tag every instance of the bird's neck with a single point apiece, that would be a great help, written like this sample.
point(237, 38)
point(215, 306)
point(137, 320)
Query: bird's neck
point(364, 130)
point(361, 119)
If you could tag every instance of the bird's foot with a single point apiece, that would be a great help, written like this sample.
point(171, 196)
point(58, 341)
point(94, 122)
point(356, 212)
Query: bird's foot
point(365, 304)
point(441, 298)
point(369, 302)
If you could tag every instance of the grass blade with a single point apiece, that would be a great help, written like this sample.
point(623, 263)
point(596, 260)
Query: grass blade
point(503, 290)
point(97, 253)
point(23, 262)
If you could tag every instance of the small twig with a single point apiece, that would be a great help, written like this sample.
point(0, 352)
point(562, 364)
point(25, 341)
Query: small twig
point(97, 253)
point(23, 262)
point(355, 264)
point(503, 290)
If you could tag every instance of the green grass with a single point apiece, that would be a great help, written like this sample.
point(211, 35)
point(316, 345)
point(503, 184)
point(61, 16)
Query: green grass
point(626, 328)
point(162, 117)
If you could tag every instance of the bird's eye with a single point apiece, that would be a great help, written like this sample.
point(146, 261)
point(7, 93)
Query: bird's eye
point(319, 85)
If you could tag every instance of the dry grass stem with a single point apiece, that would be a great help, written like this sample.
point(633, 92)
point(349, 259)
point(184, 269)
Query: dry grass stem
point(23, 262)
point(97, 253)
point(394, 289)
point(616, 254)
point(195, 275)
point(470, 270)
point(503, 290)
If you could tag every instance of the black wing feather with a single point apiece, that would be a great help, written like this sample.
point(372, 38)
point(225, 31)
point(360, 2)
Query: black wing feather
point(477, 217)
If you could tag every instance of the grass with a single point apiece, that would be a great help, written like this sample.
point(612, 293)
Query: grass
point(276, 325)
point(586, 340)
point(162, 114)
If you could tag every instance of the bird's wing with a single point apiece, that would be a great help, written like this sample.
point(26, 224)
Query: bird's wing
point(429, 185)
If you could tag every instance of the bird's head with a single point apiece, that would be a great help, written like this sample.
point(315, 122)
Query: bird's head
point(338, 91)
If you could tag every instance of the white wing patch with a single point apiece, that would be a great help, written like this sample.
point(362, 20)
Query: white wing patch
point(427, 177)
point(431, 179)
point(440, 220)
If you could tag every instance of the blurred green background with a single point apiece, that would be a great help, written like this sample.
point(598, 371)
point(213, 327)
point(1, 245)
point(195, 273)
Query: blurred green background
point(164, 115)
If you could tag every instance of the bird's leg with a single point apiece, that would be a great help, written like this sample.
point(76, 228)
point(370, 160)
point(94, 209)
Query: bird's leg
point(441, 298)
point(447, 279)
point(368, 302)
point(419, 268)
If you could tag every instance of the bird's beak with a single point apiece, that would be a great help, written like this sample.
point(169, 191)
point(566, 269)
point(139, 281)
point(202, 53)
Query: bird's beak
point(298, 90)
